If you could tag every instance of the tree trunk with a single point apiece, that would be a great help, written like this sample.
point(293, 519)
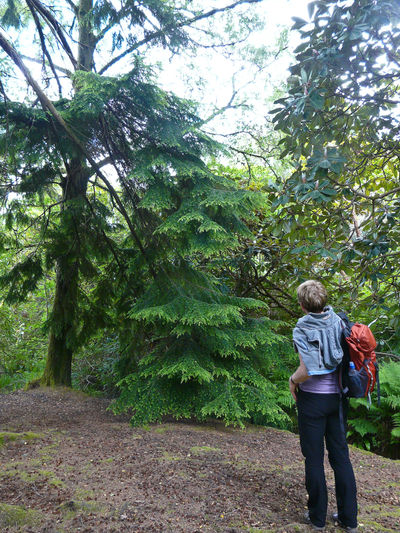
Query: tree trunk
point(87, 41)
point(64, 314)
point(65, 306)
point(60, 351)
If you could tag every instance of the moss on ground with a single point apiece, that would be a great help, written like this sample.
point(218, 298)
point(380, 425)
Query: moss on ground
point(27, 474)
point(84, 494)
point(166, 456)
point(26, 436)
point(248, 465)
point(51, 478)
point(162, 429)
point(72, 508)
point(46, 452)
point(17, 516)
point(198, 450)
point(377, 527)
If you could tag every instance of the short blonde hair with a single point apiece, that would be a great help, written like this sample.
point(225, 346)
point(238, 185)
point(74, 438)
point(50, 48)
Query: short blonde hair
point(312, 296)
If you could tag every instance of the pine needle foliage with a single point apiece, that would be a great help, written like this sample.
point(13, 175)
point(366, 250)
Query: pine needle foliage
point(207, 348)
point(198, 349)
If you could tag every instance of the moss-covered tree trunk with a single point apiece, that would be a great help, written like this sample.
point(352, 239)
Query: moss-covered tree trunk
point(60, 351)
point(63, 328)
point(63, 325)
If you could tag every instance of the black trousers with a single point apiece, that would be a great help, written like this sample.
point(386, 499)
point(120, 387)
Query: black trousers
point(318, 416)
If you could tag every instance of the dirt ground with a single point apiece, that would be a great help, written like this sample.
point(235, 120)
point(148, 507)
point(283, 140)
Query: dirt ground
point(69, 465)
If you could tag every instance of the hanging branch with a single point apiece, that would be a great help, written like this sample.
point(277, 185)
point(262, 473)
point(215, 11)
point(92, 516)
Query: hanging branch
point(72, 6)
point(43, 43)
point(168, 27)
point(48, 105)
point(3, 92)
point(57, 67)
point(107, 239)
point(49, 17)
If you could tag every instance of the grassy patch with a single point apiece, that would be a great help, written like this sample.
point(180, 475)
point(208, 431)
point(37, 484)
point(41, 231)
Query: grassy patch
point(383, 511)
point(289, 527)
point(184, 475)
point(26, 436)
point(84, 494)
point(198, 450)
point(378, 527)
point(46, 452)
point(250, 529)
point(16, 516)
point(162, 429)
point(17, 470)
point(51, 478)
point(71, 508)
point(166, 456)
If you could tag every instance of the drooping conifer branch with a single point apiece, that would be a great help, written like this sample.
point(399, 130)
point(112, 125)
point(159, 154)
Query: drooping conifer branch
point(48, 105)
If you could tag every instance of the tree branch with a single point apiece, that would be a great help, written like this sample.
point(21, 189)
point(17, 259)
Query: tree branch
point(48, 106)
point(49, 17)
point(167, 27)
point(72, 6)
point(57, 67)
point(43, 43)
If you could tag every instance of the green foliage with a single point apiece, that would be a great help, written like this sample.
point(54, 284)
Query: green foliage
point(204, 355)
point(377, 427)
point(55, 212)
point(202, 350)
point(95, 369)
point(10, 14)
point(205, 348)
point(336, 215)
point(23, 343)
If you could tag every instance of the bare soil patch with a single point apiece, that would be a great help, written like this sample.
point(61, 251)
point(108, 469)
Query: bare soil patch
point(72, 466)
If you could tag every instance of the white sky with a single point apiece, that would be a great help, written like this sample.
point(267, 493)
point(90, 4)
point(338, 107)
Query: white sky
point(217, 71)
point(207, 78)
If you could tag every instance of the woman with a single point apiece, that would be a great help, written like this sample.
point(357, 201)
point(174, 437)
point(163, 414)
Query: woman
point(314, 386)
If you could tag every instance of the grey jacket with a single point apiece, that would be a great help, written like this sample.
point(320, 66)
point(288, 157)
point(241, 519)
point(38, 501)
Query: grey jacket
point(317, 339)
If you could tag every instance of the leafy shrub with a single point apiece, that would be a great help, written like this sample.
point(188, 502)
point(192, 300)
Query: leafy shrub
point(23, 343)
point(96, 365)
point(377, 427)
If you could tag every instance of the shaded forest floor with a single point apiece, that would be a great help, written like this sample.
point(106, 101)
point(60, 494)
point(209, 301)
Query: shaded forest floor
point(68, 465)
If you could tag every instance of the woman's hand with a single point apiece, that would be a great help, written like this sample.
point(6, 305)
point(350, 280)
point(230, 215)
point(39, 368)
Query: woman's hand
point(293, 388)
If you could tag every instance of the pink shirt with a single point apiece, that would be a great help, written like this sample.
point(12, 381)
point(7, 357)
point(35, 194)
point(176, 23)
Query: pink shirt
point(322, 384)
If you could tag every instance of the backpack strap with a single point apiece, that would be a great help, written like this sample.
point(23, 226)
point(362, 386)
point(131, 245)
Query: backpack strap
point(378, 386)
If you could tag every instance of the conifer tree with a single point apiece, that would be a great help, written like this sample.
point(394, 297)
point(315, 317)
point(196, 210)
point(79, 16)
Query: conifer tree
point(37, 133)
point(207, 352)
point(200, 341)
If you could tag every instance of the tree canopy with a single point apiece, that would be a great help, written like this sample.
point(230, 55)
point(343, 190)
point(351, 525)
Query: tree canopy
point(143, 258)
point(340, 128)
point(166, 258)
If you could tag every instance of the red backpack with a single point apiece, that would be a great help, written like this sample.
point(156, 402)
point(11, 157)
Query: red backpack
point(359, 347)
